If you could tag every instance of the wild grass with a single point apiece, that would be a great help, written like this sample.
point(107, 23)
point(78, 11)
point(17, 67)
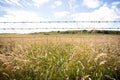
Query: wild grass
point(60, 57)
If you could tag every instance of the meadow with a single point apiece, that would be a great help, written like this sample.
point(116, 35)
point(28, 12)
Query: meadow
point(59, 57)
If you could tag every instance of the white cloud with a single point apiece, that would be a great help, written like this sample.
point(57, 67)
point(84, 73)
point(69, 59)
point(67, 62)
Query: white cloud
point(19, 3)
point(91, 3)
point(116, 3)
point(114, 6)
point(58, 3)
point(61, 14)
point(72, 4)
point(13, 2)
point(38, 3)
point(20, 15)
point(53, 6)
point(103, 13)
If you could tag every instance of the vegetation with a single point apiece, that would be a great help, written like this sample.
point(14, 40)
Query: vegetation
point(80, 32)
point(60, 57)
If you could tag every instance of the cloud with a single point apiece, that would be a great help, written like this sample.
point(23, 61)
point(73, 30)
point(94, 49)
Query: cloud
point(38, 3)
point(91, 3)
point(23, 15)
point(53, 6)
point(114, 6)
point(104, 13)
point(13, 2)
point(20, 15)
point(16, 4)
point(116, 3)
point(61, 14)
point(72, 5)
point(58, 3)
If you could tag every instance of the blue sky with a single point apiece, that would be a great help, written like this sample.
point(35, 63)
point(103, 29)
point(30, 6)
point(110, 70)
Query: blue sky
point(44, 10)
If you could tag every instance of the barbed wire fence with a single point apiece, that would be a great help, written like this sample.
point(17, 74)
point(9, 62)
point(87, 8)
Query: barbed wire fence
point(75, 26)
point(46, 26)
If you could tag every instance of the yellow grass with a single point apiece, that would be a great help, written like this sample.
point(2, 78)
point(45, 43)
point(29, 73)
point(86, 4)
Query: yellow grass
point(60, 57)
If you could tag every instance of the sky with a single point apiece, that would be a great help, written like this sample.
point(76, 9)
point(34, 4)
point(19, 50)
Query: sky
point(58, 10)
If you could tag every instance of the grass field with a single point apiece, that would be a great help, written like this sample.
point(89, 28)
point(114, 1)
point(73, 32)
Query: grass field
point(60, 57)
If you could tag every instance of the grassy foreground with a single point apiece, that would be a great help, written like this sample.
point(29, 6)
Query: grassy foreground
point(60, 57)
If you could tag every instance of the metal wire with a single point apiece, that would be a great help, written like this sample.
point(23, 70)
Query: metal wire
point(63, 22)
point(56, 28)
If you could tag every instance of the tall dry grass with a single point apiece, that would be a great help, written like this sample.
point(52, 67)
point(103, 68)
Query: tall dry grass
point(60, 57)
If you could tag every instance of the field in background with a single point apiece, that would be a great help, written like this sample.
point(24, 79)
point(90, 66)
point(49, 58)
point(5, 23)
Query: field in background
point(59, 57)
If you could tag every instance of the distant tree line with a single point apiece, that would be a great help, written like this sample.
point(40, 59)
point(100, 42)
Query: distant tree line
point(80, 32)
point(89, 32)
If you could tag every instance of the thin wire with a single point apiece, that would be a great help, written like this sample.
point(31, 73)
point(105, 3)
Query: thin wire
point(63, 22)
point(52, 28)
point(76, 22)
